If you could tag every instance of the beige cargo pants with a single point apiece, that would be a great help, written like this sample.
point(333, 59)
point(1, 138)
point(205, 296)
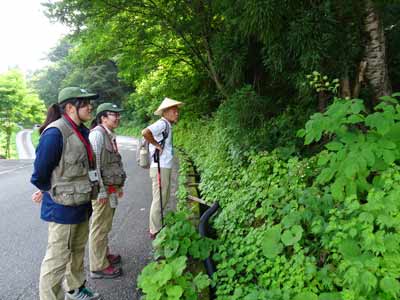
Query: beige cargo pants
point(63, 260)
point(155, 209)
point(100, 227)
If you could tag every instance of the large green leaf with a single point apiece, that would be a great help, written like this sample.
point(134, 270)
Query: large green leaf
point(271, 245)
point(174, 292)
point(292, 236)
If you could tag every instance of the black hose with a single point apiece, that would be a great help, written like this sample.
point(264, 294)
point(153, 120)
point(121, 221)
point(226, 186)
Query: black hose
point(204, 232)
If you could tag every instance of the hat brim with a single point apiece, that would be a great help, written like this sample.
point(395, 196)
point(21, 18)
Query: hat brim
point(159, 112)
point(89, 96)
point(115, 109)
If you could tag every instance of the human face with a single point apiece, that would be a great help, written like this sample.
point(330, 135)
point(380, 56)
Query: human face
point(171, 114)
point(84, 110)
point(111, 121)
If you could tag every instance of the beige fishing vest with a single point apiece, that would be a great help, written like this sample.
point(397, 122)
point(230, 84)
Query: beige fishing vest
point(112, 169)
point(70, 184)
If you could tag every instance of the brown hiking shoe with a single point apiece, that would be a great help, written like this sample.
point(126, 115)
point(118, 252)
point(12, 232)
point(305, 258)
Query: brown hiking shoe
point(107, 273)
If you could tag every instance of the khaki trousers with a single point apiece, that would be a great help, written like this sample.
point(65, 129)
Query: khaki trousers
point(100, 227)
point(155, 210)
point(63, 260)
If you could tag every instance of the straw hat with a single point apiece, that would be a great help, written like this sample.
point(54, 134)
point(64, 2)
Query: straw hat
point(167, 103)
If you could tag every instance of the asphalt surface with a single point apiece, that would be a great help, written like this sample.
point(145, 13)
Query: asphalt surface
point(24, 144)
point(23, 235)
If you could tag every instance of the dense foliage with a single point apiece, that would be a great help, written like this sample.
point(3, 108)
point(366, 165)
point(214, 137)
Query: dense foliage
point(312, 218)
point(19, 107)
point(324, 227)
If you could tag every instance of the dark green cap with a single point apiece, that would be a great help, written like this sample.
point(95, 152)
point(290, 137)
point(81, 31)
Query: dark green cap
point(74, 92)
point(108, 107)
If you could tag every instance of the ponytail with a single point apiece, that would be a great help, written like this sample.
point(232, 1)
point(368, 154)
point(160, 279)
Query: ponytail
point(53, 114)
point(94, 123)
point(97, 120)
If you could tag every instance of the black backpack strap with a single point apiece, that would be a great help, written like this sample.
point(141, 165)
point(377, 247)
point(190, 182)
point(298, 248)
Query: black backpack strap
point(165, 133)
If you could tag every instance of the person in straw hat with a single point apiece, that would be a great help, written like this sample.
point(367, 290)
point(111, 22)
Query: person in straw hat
point(159, 136)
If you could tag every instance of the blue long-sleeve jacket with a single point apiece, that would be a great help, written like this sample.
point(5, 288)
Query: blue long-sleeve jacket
point(48, 155)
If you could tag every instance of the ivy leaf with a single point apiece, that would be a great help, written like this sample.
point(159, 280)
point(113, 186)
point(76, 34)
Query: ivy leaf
point(291, 219)
point(174, 292)
point(178, 265)
point(201, 281)
point(292, 236)
point(306, 296)
point(270, 245)
point(163, 275)
point(390, 286)
point(171, 248)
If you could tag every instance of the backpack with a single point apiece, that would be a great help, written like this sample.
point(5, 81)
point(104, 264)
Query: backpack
point(143, 158)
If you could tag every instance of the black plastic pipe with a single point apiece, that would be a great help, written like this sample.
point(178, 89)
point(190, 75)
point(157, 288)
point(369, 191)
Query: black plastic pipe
point(204, 232)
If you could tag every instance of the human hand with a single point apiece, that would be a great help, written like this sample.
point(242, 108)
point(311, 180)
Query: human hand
point(120, 194)
point(159, 148)
point(102, 200)
point(37, 196)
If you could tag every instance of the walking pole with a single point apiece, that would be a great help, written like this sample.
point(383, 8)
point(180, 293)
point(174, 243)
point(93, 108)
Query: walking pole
point(157, 160)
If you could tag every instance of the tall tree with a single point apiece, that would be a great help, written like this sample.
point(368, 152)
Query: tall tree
point(375, 52)
point(18, 106)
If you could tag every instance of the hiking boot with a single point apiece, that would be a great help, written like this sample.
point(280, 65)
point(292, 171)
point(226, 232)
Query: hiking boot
point(114, 259)
point(82, 294)
point(107, 273)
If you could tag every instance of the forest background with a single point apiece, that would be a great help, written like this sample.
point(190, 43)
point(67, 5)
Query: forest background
point(305, 171)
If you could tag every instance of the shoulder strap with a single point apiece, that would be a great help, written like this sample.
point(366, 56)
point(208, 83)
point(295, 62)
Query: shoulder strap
point(165, 133)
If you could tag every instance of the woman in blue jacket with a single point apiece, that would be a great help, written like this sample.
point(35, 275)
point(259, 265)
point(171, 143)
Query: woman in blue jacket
point(64, 174)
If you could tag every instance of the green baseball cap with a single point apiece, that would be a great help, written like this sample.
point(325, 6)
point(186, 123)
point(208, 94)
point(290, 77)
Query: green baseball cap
point(108, 107)
point(73, 92)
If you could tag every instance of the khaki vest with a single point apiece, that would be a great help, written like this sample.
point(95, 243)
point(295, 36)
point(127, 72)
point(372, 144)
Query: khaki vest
point(112, 169)
point(70, 184)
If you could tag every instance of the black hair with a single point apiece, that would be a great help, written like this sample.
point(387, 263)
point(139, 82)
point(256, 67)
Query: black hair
point(55, 111)
point(97, 121)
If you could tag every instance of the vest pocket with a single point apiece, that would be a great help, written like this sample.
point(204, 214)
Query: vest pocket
point(74, 166)
point(73, 194)
point(114, 176)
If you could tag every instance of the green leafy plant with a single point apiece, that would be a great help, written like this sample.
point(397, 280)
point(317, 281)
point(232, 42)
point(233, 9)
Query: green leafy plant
point(168, 280)
point(180, 238)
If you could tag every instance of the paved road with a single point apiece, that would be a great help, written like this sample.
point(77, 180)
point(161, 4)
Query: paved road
point(24, 144)
point(23, 235)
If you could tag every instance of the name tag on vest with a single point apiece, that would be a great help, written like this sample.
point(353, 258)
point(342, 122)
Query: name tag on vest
point(93, 176)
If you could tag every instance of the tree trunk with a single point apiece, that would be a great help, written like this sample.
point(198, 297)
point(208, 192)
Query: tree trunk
point(375, 53)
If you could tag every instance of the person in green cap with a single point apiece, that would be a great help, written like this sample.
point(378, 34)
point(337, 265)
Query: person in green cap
point(65, 174)
point(111, 181)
